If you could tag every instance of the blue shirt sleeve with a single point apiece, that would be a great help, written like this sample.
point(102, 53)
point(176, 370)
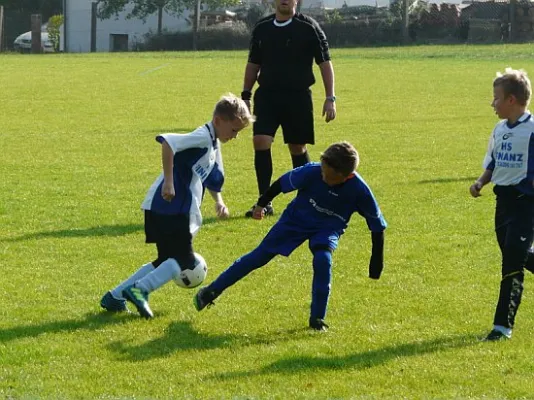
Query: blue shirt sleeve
point(215, 179)
point(368, 208)
point(298, 178)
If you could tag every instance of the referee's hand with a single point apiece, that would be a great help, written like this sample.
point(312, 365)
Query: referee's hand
point(329, 110)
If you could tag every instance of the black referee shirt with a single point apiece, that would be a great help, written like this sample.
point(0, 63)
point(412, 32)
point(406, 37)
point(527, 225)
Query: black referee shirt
point(285, 53)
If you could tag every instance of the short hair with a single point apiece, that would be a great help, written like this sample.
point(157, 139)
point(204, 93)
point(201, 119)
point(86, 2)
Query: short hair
point(342, 157)
point(230, 107)
point(516, 83)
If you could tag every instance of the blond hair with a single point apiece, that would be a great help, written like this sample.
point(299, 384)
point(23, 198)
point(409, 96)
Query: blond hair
point(514, 83)
point(230, 107)
point(342, 157)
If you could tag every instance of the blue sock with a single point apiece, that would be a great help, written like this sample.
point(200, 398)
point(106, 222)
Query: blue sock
point(322, 274)
point(240, 268)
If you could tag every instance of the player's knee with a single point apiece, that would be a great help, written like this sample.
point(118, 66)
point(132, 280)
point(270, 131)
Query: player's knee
point(158, 261)
point(262, 142)
point(297, 149)
point(322, 256)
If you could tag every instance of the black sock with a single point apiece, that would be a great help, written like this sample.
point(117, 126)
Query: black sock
point(300, 159)
point(264, 169)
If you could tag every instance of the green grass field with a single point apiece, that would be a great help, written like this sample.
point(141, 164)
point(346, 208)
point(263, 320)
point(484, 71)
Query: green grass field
point(78, 154)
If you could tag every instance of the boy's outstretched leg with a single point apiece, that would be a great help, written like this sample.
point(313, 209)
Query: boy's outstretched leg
point(139, 299)
point(322, 275)
point(138, 293)
point(239, 269)
point(113, 300)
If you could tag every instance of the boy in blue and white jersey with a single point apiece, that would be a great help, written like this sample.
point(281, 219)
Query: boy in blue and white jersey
point(191, 162)
point(509, 164)
point(328, 194)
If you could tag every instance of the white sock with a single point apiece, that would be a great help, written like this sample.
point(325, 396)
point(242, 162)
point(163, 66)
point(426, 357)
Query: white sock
point(504, 330)
point(166, 271)
point(140, 273)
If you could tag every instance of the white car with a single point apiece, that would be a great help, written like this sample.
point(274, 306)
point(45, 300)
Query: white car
point(23, 43)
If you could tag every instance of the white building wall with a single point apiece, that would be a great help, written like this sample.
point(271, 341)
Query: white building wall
point(78, 27)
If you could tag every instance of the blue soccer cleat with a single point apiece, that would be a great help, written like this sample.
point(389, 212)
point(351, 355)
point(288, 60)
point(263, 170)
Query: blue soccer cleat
point(139, 300)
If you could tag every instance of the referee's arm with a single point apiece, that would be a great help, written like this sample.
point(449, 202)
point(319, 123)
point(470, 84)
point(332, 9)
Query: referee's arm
point(327, 73)
point(251, 75)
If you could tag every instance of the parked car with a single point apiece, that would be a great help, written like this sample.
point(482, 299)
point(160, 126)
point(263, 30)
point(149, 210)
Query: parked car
point(23, 43)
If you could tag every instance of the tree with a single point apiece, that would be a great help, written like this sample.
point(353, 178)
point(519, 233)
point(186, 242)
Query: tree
point(45, 7)
point(54, 23)
point(143, 8)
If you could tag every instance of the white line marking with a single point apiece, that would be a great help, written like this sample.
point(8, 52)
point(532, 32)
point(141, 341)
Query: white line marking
point(153, 69)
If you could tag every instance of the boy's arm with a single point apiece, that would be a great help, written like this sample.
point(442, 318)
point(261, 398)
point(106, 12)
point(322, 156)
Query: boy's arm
point(376, 264)
point(167, 160)
point(483, 180)
point(220, 208)
point(274, 190)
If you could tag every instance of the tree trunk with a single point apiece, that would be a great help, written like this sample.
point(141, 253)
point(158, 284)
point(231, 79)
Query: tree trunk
point(512, 7)
point(160, 19)
point(196, 24)
point(1, 28)
point(405, 20)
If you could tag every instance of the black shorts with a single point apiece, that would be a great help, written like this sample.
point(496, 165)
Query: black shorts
point(172, 236)
point(514, 226)
point(293, 110)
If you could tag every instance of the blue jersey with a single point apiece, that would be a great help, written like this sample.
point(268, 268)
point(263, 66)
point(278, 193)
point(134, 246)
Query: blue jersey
point(197, 164)
point(320, 213)
point(511, 154)
point(319, 206)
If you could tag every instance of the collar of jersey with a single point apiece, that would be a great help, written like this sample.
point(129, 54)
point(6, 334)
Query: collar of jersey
point(523, 118)
point(282, 24)
point(211, 130)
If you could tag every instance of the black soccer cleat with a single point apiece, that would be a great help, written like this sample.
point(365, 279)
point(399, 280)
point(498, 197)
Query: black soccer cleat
point(111, 304)
point(495, 336)
point(318, 324)
point(139, 300)
point(204, 298)
point(268, 211)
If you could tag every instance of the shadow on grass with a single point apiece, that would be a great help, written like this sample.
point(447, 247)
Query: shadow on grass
point(102, 230)
point(449, 180)
point(359, 361)
point(90, 322)
point(180, 336)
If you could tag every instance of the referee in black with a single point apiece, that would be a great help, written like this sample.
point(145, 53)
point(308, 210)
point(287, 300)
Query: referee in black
point(282, 50)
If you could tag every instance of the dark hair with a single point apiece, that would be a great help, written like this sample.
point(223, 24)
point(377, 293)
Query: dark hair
point(515, 83)
point(342, 157)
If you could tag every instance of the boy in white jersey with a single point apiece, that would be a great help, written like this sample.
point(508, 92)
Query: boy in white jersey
point(191, 163)
point(509, 164)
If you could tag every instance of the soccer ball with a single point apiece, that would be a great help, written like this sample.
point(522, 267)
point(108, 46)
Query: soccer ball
point(190, 278)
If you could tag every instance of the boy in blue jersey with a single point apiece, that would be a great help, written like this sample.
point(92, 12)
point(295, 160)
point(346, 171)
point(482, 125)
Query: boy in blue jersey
point(191, 163)
point(328, 194)
point(509, 164)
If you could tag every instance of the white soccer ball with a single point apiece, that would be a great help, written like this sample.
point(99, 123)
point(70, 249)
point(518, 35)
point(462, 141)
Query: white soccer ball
point(190, 278)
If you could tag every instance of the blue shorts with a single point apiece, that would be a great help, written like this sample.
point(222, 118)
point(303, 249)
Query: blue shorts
point(284, 237)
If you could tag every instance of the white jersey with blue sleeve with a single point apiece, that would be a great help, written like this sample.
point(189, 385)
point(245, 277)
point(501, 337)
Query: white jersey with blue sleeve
point(510, 154)
point(197, 164)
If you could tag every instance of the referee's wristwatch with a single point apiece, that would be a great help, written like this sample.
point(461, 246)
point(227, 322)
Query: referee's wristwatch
point(331, 98)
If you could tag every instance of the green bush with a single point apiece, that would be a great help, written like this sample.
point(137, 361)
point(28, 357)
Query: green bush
point(215, 37)
point(54, 23)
